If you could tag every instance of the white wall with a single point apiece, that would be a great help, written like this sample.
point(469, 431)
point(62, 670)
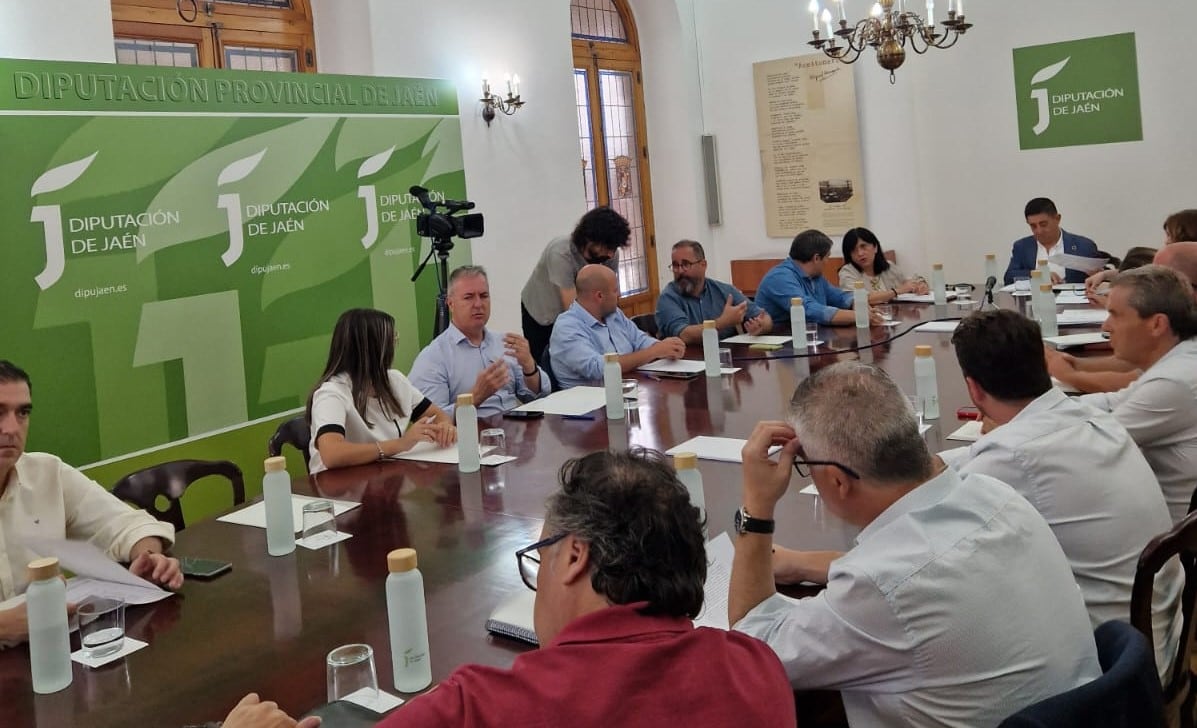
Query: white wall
point(343, 39)
point(63, 30)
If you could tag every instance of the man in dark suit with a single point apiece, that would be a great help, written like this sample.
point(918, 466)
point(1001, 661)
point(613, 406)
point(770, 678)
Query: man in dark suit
point(1047, 238)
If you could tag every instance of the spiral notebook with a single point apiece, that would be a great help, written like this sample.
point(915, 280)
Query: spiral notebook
point(513, 618)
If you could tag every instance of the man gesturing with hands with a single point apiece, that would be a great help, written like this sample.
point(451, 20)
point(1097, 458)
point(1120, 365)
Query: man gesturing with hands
point(923, 621)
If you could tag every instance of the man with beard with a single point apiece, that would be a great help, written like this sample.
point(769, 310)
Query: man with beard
point(693, 298)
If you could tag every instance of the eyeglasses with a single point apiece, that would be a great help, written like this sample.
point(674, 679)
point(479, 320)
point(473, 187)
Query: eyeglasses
point(799, 462)
point(684, 265)
point(529, 563)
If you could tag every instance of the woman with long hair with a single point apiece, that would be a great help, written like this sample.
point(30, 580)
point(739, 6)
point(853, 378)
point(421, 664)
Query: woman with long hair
point(362, 410)
point(864, 261)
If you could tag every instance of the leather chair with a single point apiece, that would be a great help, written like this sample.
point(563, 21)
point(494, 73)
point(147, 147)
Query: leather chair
point(170, 480)
point(1180, 542)
point(646, 322)
point(294, 432)
point(1127, 695)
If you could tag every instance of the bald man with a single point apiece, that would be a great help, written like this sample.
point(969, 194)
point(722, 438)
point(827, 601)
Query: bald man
point(593, 325)
point(1109, 373)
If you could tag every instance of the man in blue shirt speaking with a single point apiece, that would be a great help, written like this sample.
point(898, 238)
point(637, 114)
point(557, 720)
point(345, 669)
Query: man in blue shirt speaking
point(802, 275)
point(693, 298)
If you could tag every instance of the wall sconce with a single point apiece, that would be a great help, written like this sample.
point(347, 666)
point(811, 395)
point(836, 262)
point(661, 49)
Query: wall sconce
point(490, 102)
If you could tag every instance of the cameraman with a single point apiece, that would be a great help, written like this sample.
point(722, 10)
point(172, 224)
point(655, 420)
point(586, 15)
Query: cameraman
point(550, 289)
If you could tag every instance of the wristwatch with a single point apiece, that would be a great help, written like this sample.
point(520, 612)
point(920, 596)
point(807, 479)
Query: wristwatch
point(747, 524)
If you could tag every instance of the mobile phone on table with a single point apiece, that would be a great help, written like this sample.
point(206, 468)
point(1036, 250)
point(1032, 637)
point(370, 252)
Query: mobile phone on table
point(522, 415)
point(203, 568)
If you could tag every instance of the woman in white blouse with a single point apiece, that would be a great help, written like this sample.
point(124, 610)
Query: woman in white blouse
point(864, 261)
point(362, 410)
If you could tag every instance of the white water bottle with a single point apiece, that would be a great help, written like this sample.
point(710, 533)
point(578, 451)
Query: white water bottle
point(860, 305)
point(710, 348)
point(467, 434)
point(925, 385)
point(613, 383)
point(49, 638)
point(280, 518)
point(408, 619)
point(797, 323)
point(991, 270)
point(939, 291)
point(686, 465)
point(1045, 312)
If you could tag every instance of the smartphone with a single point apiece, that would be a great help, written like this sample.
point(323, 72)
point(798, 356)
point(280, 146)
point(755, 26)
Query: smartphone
point(203, 568)
point(522, 415)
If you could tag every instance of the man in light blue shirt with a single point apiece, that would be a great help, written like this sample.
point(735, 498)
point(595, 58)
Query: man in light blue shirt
point(693, 298)
point(802, 275)
point(593, 325)
point(467, 358)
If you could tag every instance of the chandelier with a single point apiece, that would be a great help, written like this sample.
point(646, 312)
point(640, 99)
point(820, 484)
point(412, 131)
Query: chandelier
point(887, 29)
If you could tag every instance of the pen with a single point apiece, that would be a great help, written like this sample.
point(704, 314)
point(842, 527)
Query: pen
point(577, 417)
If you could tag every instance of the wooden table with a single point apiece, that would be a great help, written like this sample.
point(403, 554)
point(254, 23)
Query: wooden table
point(267, 625)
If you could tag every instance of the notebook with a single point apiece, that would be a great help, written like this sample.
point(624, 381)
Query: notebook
point(513, 617)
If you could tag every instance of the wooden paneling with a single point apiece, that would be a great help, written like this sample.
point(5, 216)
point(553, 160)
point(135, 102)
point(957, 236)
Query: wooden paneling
point(746, 273)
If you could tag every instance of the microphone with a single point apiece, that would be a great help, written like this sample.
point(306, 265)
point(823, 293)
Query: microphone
point(989, 284)
point(420, 193)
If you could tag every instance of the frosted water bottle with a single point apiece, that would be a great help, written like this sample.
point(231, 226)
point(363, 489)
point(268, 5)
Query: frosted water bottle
point(860, 305)
point(280, 518)
point(49, 638)
point(686, 465)
point(613, 384)
point(991, 270)
point(408, 620)
point(710, 348)
point(467, 434)
point(939, 292)
point(925, 385)
point(1045, 312)
point(797, 323)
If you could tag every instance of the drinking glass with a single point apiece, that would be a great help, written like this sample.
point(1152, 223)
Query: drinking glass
point(496, 438)
point(101, 626)
point(1022, 284)
point(964, 294)
point(812, 334)
point(319, 519)
point(725, 359)
point(631, 394)
point(351, 670)
point(916, 406)
point(887, 314)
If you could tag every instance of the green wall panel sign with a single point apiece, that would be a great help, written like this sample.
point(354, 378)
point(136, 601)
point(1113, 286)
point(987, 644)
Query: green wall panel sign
point(1078, 92)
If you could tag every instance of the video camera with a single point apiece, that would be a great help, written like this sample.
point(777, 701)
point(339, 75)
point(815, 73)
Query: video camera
point(441, 226)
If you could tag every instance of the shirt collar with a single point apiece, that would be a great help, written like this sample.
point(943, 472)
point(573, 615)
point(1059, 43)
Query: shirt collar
point(586, 316)
point(798, 269)
point(1043, 403)
point(456, 336)
point(925, 495)
point(618, 623)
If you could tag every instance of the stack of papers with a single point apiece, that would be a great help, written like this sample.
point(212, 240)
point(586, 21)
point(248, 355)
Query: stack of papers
point(96, 575)
point(1063, 342)
point(763, 339)
point(921, 297)
point(1082, 317)
point(675, 366)
point(1070, 298)
point(572, 401)
point(968, 432)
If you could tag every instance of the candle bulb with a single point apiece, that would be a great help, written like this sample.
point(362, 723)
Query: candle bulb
point(507, 79)
point(827, 21)
point(876, 11)
point(485, 86)
point(814, 14)
point(960, 8)
point(515, 81)
point(843, 13)
point(930, 12)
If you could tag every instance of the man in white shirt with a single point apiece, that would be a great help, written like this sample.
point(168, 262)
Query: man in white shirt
point(43, 498)
point(956, 607)
point(1153, 325)
point(1077, 466)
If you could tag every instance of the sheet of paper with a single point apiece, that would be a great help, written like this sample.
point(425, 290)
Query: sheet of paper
point(723, 449)
point(968, 432)
point(129, 647)
point(323, 539)
point(79, 588)
point(762, 339)
point(1070, 298)
point(573, 401)
point(427, 452)
point(720, 554)
point(1078, 262)
point(493, 460)
point(89, 563)
point(380, 701)
point(937, 327)
point(673, 366)
point(1067, 340)
point(921, 297)
point(728, 370)
point(1081, 316)
point(255, 514)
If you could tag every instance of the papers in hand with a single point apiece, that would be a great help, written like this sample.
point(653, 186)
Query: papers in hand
point(762, 339)
point(720, 554)
point(96, 575)
point(723, 449)
point(427, 452)
point(1078, 262)
point(513, 617)
point(572, 401)
point(255, 515)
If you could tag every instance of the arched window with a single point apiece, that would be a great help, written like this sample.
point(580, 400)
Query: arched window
point(253, 35)
point(614, 158)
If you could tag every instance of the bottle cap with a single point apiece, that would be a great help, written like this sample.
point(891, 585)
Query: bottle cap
point(401, 560)
point(41, 569)
point(1036, 274)
point(858, 284)
point(1045, 287)
point(708, 324)
point(922, 350)
point(465, 400)
point(1041, 261)
point(685, 461)
point(990, 256)
point(275, 464)
point(937, 266)
point(796, 301)
point(612, 357)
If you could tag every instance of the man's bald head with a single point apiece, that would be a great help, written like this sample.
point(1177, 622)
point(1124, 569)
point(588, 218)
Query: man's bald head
point(598, 290)
point(1180, 257)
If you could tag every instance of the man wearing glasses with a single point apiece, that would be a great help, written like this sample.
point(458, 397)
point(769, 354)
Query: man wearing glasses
point(693, 298)
point(955, 607)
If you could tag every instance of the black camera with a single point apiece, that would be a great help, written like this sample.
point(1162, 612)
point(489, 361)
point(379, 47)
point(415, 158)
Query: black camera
point(442, 220)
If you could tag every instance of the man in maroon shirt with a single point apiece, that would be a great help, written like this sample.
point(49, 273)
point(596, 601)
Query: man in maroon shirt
point(618, 576)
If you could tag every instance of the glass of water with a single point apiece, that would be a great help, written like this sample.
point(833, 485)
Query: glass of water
point(916, 406)
point(319, 520)
point(495, 438)
point(101, 626)
point(812, 334)
point(351, 672)
point(964, 294)
point(631, 393)
point(886, 312)
point(725, 359)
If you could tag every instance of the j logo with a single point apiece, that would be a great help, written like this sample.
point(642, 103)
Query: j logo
point(366, 192)
point(50, 216)
point(1040, 94)
point(231, 204)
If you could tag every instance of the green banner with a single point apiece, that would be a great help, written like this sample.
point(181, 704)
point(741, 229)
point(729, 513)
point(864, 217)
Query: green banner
point(178, 243)
point(1078, 92)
